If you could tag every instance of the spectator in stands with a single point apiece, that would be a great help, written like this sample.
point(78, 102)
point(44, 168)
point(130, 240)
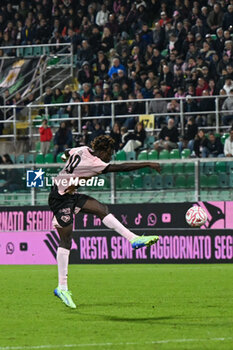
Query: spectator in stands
point(62, 140)
point(227, 107)
point(158, 107)
point(136, 139)
point(228, 17)
point(96, 131)
point(116, 65)
point(116, 135)
point(28, 33)
point(45, 137)
point(228, 86)
point(168, 137)
point(85, 74)
point(199, 143)
point(213, 148)
point(215, 17)
point(206, 105)
point(228, 145)
point(187, 141)
point(147, 91)
point(102, 16)
point(107, 41)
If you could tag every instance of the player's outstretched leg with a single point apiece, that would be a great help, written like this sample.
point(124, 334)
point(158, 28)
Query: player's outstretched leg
point(95, 207)
point(63, 253)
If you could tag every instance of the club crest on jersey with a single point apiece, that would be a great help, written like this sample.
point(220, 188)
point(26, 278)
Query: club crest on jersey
point(65, 218)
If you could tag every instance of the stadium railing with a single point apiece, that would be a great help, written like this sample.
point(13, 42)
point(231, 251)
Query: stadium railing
point(31, 111)
point(181, 180)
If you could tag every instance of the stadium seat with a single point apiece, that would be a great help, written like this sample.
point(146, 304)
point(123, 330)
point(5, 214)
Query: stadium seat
point(121, 155)
point(130, 155)
point(39, 158)
point(143, 155)
point(185, 153)
point(209, 168)
point(164, 53)
point(37, 51)
point(12, 156)
point(221, 167)
point(28, 51)
point(174, 154)
point(20, 159)
point(153, 155)
point(203, 181)
point(213, 181)
point(166, 168)
point(147, 182)
point(138, 182)
point(126, 183)
point(164, 154)
point(223, 180)
point(157, 182)
point(178, 168)
point(145, 171)
point(168, 181)
point(190, 181)
point(231, 180)
point(38, 146)
point(150, 141)
point(180, 181)
point(48, 158)
point(64, 116)
point(224, 137)
point(59, 159)
point(29, 159)
point(189, 168)
point(229, 166)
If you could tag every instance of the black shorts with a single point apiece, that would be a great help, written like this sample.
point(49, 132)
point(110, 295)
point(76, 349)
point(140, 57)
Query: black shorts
point(63, 207)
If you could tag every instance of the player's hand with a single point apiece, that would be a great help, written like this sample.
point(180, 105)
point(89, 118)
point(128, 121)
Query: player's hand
point(156, 166)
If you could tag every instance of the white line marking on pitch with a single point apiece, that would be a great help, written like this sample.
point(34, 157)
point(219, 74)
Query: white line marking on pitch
point(62, 346)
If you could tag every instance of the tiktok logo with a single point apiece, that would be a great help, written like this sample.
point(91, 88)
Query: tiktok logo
point(138, 219)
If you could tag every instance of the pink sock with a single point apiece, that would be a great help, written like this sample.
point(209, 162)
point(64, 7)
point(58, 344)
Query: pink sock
point(111, 222)
point(62, 263)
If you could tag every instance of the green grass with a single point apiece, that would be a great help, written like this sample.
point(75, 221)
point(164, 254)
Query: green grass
point(119, 304)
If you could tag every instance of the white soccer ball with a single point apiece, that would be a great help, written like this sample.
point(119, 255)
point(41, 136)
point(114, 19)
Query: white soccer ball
point(196, 216)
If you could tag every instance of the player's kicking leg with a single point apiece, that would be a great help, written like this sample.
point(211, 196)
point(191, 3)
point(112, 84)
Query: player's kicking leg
point(63, 253)
point(92, 206)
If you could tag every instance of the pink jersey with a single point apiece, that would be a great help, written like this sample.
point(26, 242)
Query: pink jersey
point(82, 164)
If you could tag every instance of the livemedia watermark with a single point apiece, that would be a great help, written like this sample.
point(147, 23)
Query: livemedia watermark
point(39, 179)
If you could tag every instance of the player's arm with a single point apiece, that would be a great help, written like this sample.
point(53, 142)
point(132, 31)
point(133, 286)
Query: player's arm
point(113, 168)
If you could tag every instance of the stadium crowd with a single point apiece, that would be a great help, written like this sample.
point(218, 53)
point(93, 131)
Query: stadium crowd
point(135, 50)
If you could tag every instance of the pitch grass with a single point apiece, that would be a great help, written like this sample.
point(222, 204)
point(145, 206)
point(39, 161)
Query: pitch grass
point(119, 304)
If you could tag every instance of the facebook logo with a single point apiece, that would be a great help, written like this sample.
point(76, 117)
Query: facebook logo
point(35, 178)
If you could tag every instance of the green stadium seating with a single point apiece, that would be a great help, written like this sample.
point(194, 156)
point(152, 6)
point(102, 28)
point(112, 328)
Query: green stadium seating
point(12, 156)
point(224, 137)
point(157, 182)
point(185, 153)
point(189, 168)
point(48, 158)
point(168, 181)
point(223, 180)
point(59, 158)
point(37, 51)
point(164, 154)
point(203, 180)
point(153, 155)
point(190, 181)
point(213, 181)
point(221, 167)
point(150, 141)
point(148, 182)
point(28, 51)
point(174, 154)
point(178, 168)
point(20, 159)
point(166, 168)
point(130, 155)
point(209, 168)
point(137, 182)
point(121, 155)
point(39, 158)
point(126, 183)
point(229, 166)
point(180, 181)
point(143, 155)
point(29, 159)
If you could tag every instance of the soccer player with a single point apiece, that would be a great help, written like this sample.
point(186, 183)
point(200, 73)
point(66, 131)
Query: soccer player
point(64, 201)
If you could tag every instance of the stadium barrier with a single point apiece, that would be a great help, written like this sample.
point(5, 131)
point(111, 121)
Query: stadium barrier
point(27, 235)
point(31, 113)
